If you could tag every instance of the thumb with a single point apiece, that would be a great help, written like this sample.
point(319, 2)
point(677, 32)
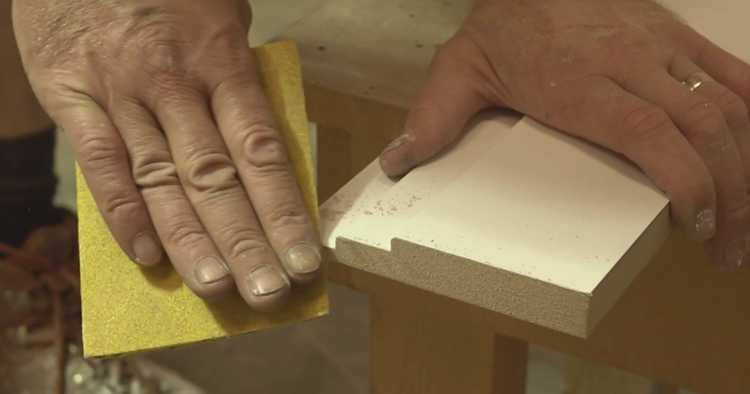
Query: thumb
point(449, 99)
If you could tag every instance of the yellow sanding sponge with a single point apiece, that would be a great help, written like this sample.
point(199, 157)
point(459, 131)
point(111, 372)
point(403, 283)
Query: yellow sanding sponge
point(128, 309)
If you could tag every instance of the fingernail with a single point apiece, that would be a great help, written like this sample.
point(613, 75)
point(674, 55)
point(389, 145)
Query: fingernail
point(266, 280)
point(210, 270)
point(302, 259)
point(398, 142)
point(394, 164)
point(147, 250)
point(734, 256)
point(705, 224)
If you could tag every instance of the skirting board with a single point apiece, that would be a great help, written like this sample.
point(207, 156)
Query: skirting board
point(552, 235)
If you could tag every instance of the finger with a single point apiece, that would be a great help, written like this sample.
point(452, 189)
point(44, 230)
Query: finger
point(704, 126)
point(735, 112)
point(190, 248)
point(449, 99)
point(726, 68)
point(730, 72)
point(731, 104)
point(599, 110)
point(104, 162)
point(209, 178)
point(247, 124)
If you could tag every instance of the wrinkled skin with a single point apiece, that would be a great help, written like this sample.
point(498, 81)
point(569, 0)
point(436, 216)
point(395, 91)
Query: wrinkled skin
point(609, 72)
point(162, 103)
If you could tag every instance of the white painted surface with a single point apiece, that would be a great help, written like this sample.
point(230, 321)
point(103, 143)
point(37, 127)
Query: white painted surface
point(272, 17)
point(560, 211)
point(372, 206)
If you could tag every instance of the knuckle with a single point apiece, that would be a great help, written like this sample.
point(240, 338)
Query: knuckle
point(243, 241)
point(733, 106)
point(643, 125)
point(99, 152)
point(705, 120)
point(122, 206)
point(184, 233)
point(164, 64)
point(694, 192)
point(170, 88)
point(158, 44)
point(708, 131)
point(230, 40)
point(739, 212)
point(172, 93)
point(161, 55)
point(287, 215)
point(154, 169)
point(209, 170)
point(264, 149)
point(231, 90)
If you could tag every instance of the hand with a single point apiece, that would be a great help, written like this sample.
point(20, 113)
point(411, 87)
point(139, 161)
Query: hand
point(609, 72)
point(164, 108)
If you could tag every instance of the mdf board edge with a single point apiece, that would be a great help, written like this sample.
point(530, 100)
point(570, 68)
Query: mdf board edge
point(523, 298)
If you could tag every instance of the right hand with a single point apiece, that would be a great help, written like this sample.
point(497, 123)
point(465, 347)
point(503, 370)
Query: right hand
point(162, 102)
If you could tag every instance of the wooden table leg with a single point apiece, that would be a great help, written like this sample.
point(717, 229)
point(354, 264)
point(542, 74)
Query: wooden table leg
point(416, 349)
point(511, 360)
point(667, 389)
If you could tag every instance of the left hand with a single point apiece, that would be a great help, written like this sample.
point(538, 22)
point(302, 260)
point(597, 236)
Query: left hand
point(610, 72)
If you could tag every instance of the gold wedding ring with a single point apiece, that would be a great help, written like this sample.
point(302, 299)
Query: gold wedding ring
point(693, 82)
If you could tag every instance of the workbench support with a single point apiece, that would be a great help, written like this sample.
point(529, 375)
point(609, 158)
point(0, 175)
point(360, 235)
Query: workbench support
point(418, 348)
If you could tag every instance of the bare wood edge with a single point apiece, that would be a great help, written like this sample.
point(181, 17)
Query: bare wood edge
point(464, 280)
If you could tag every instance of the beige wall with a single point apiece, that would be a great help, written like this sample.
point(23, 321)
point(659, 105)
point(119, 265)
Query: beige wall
point(271, 17)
